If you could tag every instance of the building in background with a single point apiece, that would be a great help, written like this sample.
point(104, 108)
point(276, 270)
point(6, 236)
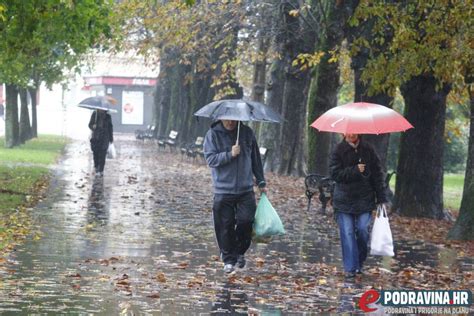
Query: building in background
point(134, 97)
point(127, 78)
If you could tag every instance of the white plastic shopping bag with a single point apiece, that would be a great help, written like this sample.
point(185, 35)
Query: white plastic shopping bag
point(381, 242)
point(111, 152)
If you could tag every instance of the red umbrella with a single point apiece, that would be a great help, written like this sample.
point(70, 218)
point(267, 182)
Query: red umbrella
point(361, 118)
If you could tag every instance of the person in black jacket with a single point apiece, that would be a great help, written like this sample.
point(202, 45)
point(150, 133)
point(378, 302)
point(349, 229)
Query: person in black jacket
point(102, 135)
point(356, 169)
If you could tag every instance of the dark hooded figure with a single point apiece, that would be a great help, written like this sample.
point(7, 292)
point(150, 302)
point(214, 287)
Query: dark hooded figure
point(102, 135)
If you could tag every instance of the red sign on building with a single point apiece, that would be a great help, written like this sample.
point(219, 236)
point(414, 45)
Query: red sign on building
point(119, 81)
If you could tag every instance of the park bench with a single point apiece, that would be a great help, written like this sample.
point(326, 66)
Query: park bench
point(192, 150)
point(319, 184)
point(170, 141)
point(140, 133)
point(147, 133)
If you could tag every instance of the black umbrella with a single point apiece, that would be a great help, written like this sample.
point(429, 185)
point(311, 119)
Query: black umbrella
point(99, 103)
point(239, 110)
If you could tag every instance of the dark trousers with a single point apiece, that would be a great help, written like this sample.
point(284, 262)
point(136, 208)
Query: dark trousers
point(233, 218)
point(99, 154)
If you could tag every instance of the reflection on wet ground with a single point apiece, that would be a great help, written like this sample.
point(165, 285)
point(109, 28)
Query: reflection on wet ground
point(231, 299)
point(140, 240)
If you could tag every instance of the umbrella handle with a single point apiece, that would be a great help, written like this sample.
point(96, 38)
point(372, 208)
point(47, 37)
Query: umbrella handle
point(238, 132)
point(96, 114)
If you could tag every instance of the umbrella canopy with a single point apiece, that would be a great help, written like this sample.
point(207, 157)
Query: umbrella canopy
point(239, 110)
point(99, 103)
point(361, 118)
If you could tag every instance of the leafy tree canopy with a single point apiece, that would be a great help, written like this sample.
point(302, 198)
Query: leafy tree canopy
point(426, 37)
point(41, 39)
point(200, 35)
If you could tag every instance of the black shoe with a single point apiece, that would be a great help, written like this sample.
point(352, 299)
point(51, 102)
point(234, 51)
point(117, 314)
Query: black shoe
point(359, 272)
point(241, 261)
point(349, 275)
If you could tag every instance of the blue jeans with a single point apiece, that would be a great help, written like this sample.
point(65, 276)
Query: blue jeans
point(354, 233)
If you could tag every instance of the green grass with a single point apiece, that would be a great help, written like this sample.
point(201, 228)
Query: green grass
point(43, 150)
point(452, 190)
point(17, 177)
point(23, 170)
point(16, 183)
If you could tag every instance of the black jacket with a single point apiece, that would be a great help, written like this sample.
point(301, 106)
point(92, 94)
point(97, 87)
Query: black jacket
point(356, 192)
point(103, 133)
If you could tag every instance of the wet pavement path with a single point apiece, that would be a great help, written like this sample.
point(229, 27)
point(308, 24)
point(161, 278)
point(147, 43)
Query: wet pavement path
point(140, 241)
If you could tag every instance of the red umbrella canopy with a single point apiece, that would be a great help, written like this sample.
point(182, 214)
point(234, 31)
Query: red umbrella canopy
point(361, 118)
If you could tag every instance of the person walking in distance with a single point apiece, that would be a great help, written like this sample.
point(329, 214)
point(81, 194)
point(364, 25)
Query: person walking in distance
point(102, 135)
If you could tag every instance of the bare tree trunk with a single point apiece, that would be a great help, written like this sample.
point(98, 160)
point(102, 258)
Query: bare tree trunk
point(419, 186)
point(293, 127)
point(296, 39)
point(322, 97)
point(162, 96)
point(157, 95)
point(463, 228)
point(259, 74)
point(34, 113)
point(260, 69)
point(25, 127)
point(179, 99)
point(201, 94)
point(269, 133)
point(12, 130)
point(325, 84)
point(186, 107)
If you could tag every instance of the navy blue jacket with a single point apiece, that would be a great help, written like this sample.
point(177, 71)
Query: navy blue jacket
point(233, 175)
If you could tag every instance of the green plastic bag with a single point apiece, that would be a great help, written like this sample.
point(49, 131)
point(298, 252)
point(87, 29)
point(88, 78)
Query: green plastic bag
point(267, 222)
